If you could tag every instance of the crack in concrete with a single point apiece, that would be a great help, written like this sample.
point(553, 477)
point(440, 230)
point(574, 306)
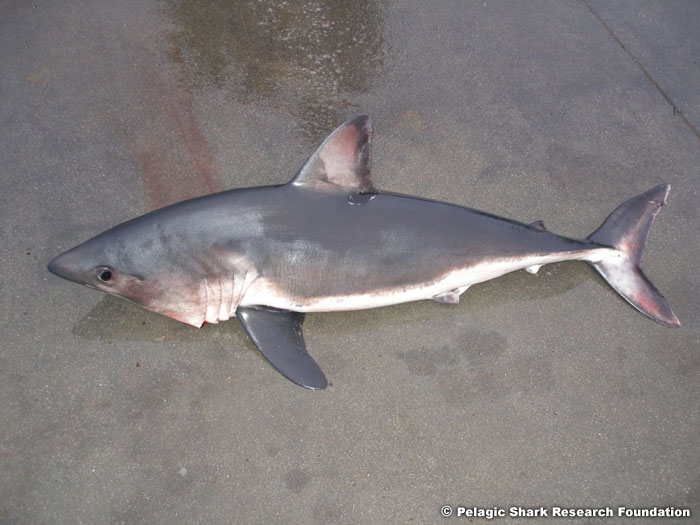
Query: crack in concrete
point(636, 62)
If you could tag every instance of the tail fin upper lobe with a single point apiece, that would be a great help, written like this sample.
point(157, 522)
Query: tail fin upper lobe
point(627, 229)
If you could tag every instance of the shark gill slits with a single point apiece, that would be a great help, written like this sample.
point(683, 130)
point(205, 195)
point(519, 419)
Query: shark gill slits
point(104, 275)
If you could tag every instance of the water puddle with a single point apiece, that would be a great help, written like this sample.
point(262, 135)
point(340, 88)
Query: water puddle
point(309, 58)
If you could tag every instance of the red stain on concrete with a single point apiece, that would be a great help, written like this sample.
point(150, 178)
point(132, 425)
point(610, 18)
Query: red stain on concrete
point(175, 159)
point(194, 141)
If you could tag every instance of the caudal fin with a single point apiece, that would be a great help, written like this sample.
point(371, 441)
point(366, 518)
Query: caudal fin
point(627, 229)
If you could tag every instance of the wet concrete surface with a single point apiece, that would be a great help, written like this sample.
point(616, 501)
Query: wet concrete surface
point(535, 390)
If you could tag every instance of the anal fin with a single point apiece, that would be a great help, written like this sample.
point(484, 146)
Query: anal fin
point(278, 336)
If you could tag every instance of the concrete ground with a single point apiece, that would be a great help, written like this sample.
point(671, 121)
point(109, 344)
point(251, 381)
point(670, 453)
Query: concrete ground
point(535, 390)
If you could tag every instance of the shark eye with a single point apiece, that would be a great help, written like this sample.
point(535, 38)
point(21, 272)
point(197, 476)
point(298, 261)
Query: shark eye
point(104, 275)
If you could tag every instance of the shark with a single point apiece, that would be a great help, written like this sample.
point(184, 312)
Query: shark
point(328, 240)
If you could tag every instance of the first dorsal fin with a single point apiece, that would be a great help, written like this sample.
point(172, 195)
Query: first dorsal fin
point(342, 160)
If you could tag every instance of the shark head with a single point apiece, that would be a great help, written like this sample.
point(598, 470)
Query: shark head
point(130, 262)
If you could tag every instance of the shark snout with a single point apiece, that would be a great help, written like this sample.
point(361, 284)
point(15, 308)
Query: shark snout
point(64, 266)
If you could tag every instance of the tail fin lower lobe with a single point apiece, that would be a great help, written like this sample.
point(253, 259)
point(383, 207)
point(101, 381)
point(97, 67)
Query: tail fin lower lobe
point(626, 229)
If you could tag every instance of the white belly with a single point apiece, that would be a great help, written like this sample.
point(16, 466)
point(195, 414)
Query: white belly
point(267, 293)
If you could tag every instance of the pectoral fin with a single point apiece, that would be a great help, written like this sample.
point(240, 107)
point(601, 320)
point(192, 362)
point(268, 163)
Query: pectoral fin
point(277, 334)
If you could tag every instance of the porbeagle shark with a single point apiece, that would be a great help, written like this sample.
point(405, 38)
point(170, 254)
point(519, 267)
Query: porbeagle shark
point(328, 241)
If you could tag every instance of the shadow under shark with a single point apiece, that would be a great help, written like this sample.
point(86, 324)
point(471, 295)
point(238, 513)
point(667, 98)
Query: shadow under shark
point(329, 241)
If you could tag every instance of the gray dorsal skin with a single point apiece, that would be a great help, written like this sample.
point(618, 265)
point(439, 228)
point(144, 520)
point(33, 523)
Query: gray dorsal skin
point(329, 241)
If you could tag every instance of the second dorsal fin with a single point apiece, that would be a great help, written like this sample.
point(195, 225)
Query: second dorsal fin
point(342, 160)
